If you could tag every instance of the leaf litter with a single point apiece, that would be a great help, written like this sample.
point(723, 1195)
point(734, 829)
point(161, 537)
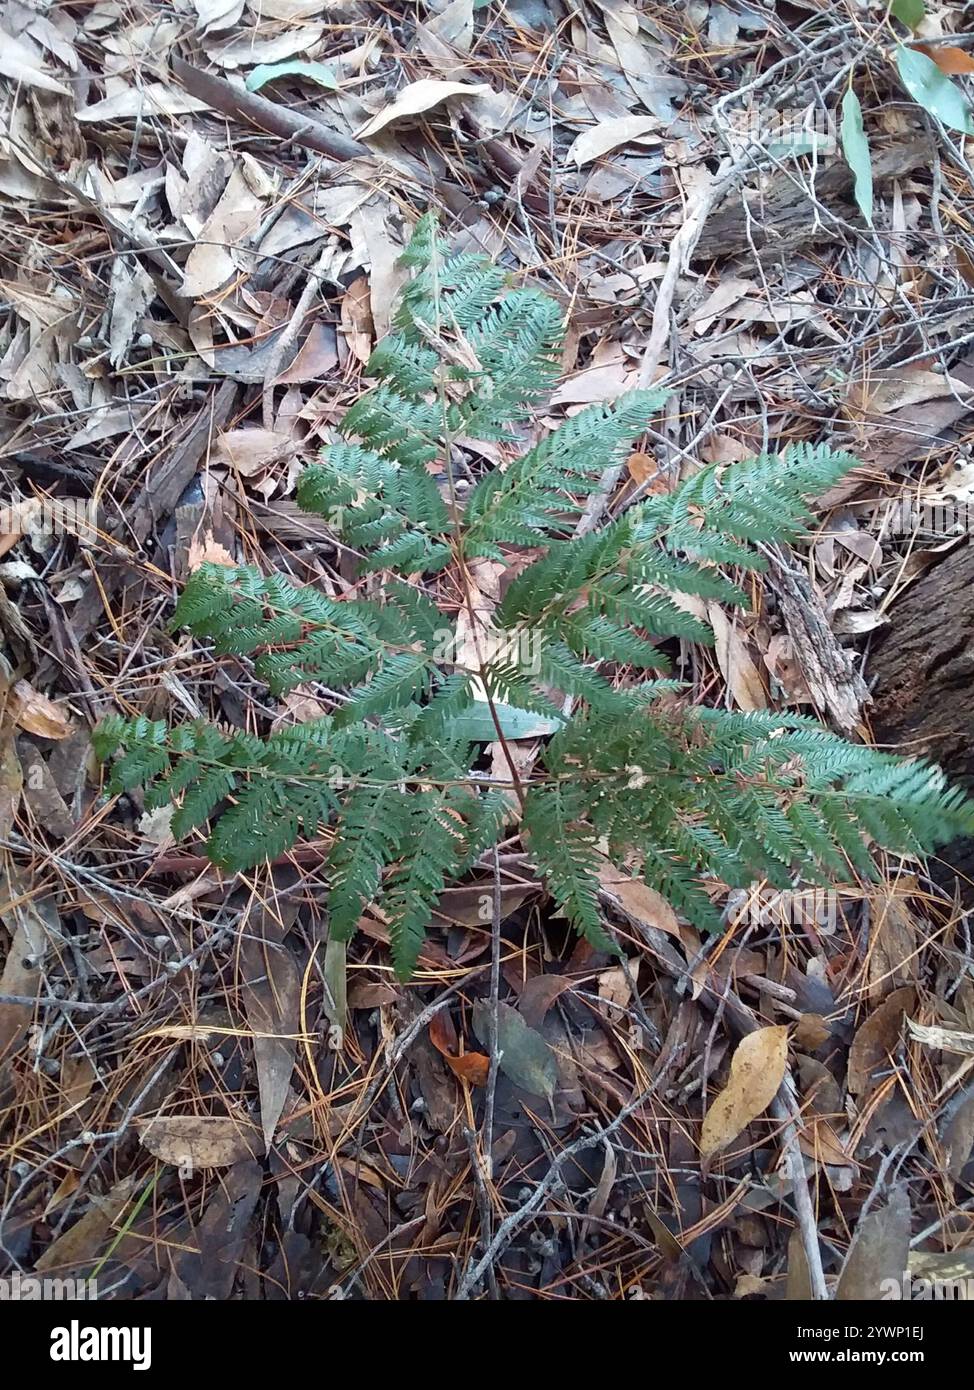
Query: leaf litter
point(203, 214)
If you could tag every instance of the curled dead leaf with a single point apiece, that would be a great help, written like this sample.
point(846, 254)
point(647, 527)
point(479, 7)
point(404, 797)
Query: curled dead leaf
point(948, 57)
point(471, 1067)
point(418, 97)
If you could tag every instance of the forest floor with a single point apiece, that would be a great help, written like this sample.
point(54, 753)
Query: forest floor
point(204, 203)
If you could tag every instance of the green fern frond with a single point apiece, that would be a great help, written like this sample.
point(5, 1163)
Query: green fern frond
point(565, 851)
point(697, 799)
point(536, 495)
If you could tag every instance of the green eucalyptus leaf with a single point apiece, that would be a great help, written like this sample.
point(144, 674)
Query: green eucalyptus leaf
point(934, 90)
point(855, 147)
point(908, 12)
point(477, 726)
point(525, 1057)
point(270, 72)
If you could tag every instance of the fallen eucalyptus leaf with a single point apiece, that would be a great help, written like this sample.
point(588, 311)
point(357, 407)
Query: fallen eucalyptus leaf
point(270, 72)
point(934, 91)
point(525, 1057)
point(200, 1141)
point(417, 98)
point(756, 1071)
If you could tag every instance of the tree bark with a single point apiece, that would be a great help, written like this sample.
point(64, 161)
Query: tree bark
point(923, 673)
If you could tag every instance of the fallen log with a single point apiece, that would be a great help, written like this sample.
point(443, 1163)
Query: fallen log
point(780, 219)
point(923, 673)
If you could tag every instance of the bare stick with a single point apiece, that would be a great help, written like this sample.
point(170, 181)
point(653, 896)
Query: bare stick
point(799, 1186)
point(291, 330)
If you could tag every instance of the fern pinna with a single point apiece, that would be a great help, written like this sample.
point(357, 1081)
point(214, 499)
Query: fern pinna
point(687, 796)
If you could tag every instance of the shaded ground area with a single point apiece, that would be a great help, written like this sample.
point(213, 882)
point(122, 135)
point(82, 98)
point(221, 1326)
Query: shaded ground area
point(203, 207)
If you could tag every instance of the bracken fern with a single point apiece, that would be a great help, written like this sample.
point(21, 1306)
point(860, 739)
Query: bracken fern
point(688, 795)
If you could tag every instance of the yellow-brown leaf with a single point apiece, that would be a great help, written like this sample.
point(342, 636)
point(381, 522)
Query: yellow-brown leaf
point(756, 1072)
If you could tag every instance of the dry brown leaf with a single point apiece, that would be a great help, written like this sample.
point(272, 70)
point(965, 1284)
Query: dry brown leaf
point(639, 899)
point(730, 291)
point(19, 64)
point(948, 57)
point(218, 14)
point(375, 227)
point(798, 1287)
point(272, 999)
point(36, 714)
point(31, 923)
point(17, 977)
point(214, 257)
point(11, 780)
point(251, 451)
point(285, 9)
point(958, 1134)
point(472, 1067)
point(894, 943)
point(888, 391)
point(879, 1252)
point(539, 995)
point(965, 265)
point(608, 135)
point(819, 1140)
point(357, 325)
point(151, 99)
point(452, 28)
point(645, 905)
point(200, 1141)
point(606, 376)
point(43, 798)
point(757, 1070)
point(68, 1185)
point(418, 97)
point(316, 357)
point(735, 663)
point(82, 1243)
point(247, 51)
point(876, 1040)
point(132, 291)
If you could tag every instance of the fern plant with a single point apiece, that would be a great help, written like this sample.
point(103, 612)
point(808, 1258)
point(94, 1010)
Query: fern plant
point(686, 795)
